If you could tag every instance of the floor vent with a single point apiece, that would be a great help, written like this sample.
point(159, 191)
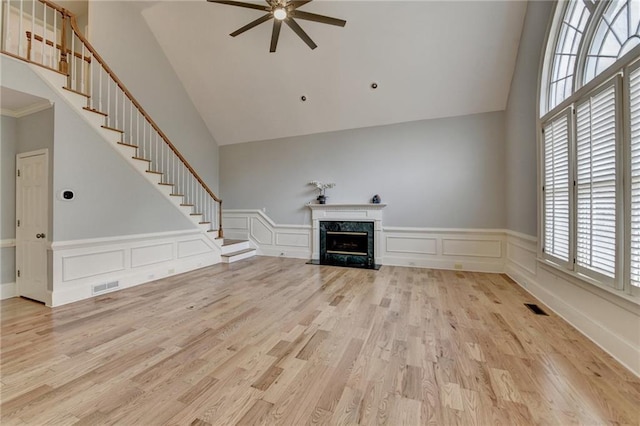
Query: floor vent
point(101, 288)
point(536, 309)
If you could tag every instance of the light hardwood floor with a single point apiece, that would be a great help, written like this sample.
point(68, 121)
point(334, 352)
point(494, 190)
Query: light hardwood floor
point(275, 341)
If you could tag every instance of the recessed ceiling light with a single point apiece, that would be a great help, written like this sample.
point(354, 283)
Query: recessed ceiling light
point(374, 85)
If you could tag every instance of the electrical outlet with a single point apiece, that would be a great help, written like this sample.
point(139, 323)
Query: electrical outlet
point(264, 210)
point(457, 265)
point(171, 271)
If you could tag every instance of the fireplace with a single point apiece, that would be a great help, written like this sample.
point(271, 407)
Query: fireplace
point(350, 221)
point(347, 243)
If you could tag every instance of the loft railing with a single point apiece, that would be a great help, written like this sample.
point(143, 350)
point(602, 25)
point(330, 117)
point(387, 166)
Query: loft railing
point(46, 34)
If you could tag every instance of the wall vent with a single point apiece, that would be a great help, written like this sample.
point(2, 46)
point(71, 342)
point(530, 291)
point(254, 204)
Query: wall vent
point(536, 309)
point(101, 288)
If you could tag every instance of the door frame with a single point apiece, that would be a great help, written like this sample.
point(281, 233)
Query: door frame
point(20, 156)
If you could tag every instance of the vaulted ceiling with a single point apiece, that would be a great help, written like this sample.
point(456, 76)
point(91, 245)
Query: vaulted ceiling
point(430, 59)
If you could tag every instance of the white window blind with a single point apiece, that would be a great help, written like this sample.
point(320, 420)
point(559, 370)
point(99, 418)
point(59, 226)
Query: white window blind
point(556, 188)
point(634, 115)
point(596, 183)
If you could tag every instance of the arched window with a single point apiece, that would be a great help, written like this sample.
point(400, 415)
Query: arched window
point(590, 142)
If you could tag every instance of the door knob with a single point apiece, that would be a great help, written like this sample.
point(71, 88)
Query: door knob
point(40, 235)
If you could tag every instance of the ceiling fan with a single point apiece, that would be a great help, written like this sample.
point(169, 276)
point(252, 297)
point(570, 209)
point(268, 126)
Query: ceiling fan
point(282, 11)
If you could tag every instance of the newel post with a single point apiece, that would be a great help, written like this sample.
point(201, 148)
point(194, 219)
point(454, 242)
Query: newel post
point(64, 65)
point(220, 231)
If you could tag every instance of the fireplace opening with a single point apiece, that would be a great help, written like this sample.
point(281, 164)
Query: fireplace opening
point(347, 243)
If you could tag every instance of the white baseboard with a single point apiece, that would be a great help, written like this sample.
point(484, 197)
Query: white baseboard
point(129, 260)
point(8, 290)
point(613, 326)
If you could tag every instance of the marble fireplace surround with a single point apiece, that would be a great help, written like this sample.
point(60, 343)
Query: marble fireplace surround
point(347, 212)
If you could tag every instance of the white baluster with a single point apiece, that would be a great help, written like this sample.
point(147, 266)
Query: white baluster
point(20, 52)
point(72, 62)
point(110, 117)
point(44, 31)
point(83, 72)
point(54, 48)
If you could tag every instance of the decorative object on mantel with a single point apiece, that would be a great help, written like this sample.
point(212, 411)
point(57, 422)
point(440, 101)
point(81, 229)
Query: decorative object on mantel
point(376, 199)
point(322, 198)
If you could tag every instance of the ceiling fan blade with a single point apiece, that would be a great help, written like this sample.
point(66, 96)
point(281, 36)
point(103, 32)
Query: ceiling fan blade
point(294, 4)
point(296, 29)
point(317, 18)
point(241, 4)
point(252, 24)
point(275, 34)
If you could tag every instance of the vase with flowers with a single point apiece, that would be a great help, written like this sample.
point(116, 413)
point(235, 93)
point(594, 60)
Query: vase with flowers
point(322, 187)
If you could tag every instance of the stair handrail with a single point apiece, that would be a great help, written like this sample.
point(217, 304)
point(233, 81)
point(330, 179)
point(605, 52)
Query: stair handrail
point(102, 62)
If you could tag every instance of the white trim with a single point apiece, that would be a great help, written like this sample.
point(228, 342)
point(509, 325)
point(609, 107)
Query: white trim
point(129, 259)
point(444, 230)
point(398, 246)
point(603, 317)
point(28, 110)
point(8, 243)
point(8, 290)
point(71, 244)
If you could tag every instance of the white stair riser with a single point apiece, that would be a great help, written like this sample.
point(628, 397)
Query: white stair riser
point(230, 248)
point(231, 259)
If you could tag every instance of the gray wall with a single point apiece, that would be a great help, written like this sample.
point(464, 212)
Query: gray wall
point(112, 199)
point(8, 142)
point(122, 37)
point(520, 129)
point(433, 173)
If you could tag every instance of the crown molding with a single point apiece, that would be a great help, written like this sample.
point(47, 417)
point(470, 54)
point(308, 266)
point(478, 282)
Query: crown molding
point(28, 110)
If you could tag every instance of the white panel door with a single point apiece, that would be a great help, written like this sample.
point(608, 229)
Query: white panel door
point(32, 194)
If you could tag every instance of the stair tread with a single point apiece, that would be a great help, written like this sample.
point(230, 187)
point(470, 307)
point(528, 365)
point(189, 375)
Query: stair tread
point(204, 223)
point(95, 110)
point(154, 172)
point(195, 214)
point(228, 242)
point(113, 128)
point(184, 205)
point(127, 144)
point(141, 159)
point(177, 195)
point(76, 92)
point(239, 252)
point(167, 184)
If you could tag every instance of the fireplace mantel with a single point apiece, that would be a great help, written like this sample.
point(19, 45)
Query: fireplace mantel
point(345, 212)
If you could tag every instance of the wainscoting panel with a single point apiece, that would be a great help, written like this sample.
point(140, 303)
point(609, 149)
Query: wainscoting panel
point(291, 239)
point(260, 231)
point(193, 247)
point(463, 249)
point(148, 255)
point(78, 266)
point(473, 247)
point(268, 238)
point(412, 245)
point(87, 265)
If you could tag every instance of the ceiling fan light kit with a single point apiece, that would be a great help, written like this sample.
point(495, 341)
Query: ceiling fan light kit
point(282, 11)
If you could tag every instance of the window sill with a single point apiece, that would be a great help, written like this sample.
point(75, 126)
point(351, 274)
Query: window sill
point(624, 300)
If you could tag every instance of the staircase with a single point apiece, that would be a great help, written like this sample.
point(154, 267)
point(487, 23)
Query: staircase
point(72, 67)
